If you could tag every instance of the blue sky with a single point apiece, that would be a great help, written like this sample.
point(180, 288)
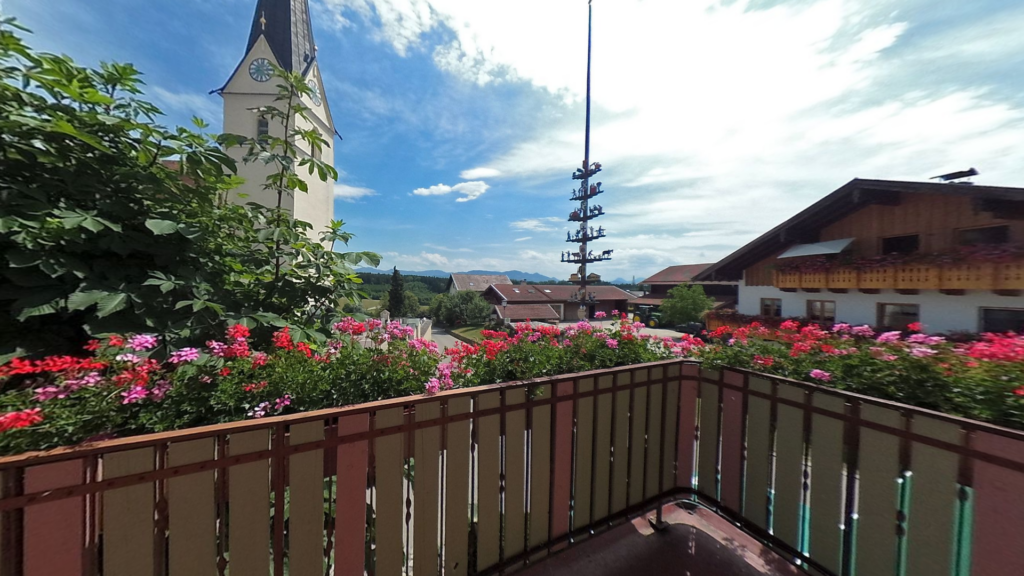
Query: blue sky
point(714, 119)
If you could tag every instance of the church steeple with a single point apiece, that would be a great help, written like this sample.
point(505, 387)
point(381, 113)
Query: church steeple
point(288, 30)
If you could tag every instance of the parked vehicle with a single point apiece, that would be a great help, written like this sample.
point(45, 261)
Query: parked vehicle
point(691, 328)
point(648, 315)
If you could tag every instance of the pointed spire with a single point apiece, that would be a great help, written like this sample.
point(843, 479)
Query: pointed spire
point(288, 30)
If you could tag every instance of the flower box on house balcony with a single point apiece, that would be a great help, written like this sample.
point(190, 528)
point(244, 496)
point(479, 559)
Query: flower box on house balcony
point(921, 277)
point(813, 279)
point(968, 277)
point(843, 278)
point(877, 278)
point(787, 279)
point(1009, 276)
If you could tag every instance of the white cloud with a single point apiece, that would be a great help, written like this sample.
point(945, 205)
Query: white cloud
point(193, 104)
point(524, 238)
point(352, 193)
point(470, 190)
point(478, 173)
point(744, 116)
point(535, 224)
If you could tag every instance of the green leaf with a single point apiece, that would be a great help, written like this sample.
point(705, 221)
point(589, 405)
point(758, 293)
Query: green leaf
point(92, 224)
point(83, 300)
point(111, 303)
point(65, 127)
point(161, 227)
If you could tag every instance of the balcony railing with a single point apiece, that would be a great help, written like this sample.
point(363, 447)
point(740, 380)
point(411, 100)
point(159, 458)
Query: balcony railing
point(483, 480)
point(983, 276)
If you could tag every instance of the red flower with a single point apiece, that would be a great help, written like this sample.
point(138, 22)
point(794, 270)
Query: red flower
point(790, 325)
point(225, 371)
point(236, 331)
point(20, 419)
point(914, 327)
point(115, 340)
point(92, 346)
point(304, 348)
point(255, 387)
point(765, 361)
point(283, 339)
point(1019, 391)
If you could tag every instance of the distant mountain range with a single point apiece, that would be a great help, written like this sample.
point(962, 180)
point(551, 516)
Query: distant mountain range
point(514, 275)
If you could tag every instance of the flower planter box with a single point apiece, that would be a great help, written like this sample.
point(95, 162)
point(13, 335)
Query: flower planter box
point(877, 278)
point(787, 279)
point(843, 278)
point(917, 277)
point(813, 279)
point(1009, 276)
point(968, 277)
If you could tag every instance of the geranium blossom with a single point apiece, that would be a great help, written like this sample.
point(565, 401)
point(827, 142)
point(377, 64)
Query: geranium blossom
point(820, 375)
point(600, 314)
point(130, 358)
point(20, 419)
point(893, 336)
point(184, 355)
point(141, 342)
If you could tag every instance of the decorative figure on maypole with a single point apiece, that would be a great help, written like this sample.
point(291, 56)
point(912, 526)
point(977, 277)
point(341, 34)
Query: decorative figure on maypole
point(585, 213)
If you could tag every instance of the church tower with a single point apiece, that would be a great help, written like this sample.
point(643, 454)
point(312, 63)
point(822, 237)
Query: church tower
point(282, 34)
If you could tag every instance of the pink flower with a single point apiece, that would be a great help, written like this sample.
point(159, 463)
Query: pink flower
point(821, 375)
point(922, 351)
point(218, 349)
point(841, 328)
point(49, 393)
point(260, 411)
point(373, 324)
point(134, 394)
point(864, 331)
point(880, 354)
point(615, 312)
point(282, 402)
point(893, 336)
point(600, 314)
point(160, 389)
point(130, 358)
point(612, 343)
point(433, 386)
point(790, 325)
point(142, 342)
point(184, 355)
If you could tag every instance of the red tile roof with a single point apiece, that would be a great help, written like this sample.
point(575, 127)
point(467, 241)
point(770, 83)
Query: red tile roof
point(478, 282)
point(520, 293)
point(676, 274)
point(555, 292)
point(527, 312)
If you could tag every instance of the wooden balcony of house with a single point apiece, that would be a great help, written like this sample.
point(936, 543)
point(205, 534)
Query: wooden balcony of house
point(662, 468)
point(1008, 276)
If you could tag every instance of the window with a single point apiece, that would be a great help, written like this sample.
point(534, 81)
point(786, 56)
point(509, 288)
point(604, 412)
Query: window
point(1001, 320)
point(821, 310)
point(771, 307)
point(987, 235)
point(901, 244)
point(898, 316)
point(262, 127)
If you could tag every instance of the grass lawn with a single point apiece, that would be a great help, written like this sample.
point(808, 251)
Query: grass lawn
point(469, 332)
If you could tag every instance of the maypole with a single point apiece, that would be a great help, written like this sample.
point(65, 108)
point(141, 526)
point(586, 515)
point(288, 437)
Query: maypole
point(585, 213)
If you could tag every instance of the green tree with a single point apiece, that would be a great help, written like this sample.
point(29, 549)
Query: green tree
point(396, 295)
point(101, 234)
point(412, 305)
point(465, 307)
point(685, 303)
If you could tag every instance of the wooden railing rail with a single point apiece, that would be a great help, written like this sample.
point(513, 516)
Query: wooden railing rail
point(483, 480)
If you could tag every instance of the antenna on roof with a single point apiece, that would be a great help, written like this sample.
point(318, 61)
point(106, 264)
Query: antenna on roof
point(953, 176)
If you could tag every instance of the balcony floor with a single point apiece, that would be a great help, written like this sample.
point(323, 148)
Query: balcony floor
point(694, 544)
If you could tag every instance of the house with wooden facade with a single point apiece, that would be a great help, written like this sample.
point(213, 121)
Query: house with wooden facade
point(889, 253)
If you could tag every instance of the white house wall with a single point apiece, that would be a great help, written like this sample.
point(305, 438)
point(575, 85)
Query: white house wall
point(938, 312)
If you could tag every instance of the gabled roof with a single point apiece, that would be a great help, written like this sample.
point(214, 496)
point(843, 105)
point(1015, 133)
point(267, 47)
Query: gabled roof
point(521, 292)
point(476, 282)
point(527, 312)
point(676, 274)
point(289, 32)
point(562, 292)
point(851, 197)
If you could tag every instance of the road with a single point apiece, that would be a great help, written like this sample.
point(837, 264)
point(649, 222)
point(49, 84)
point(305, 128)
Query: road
point(443, 339)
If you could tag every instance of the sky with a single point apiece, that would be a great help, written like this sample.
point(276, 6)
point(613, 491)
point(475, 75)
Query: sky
point(714, 120)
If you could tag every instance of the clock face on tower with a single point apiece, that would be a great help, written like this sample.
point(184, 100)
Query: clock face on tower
point(315, 88)
point(260, 70)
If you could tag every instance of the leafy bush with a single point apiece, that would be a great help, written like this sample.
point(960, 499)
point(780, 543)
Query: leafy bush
point(123, 390)
point(980, 379)
point(685, 303)
point(102, 236)
point(465, 307)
